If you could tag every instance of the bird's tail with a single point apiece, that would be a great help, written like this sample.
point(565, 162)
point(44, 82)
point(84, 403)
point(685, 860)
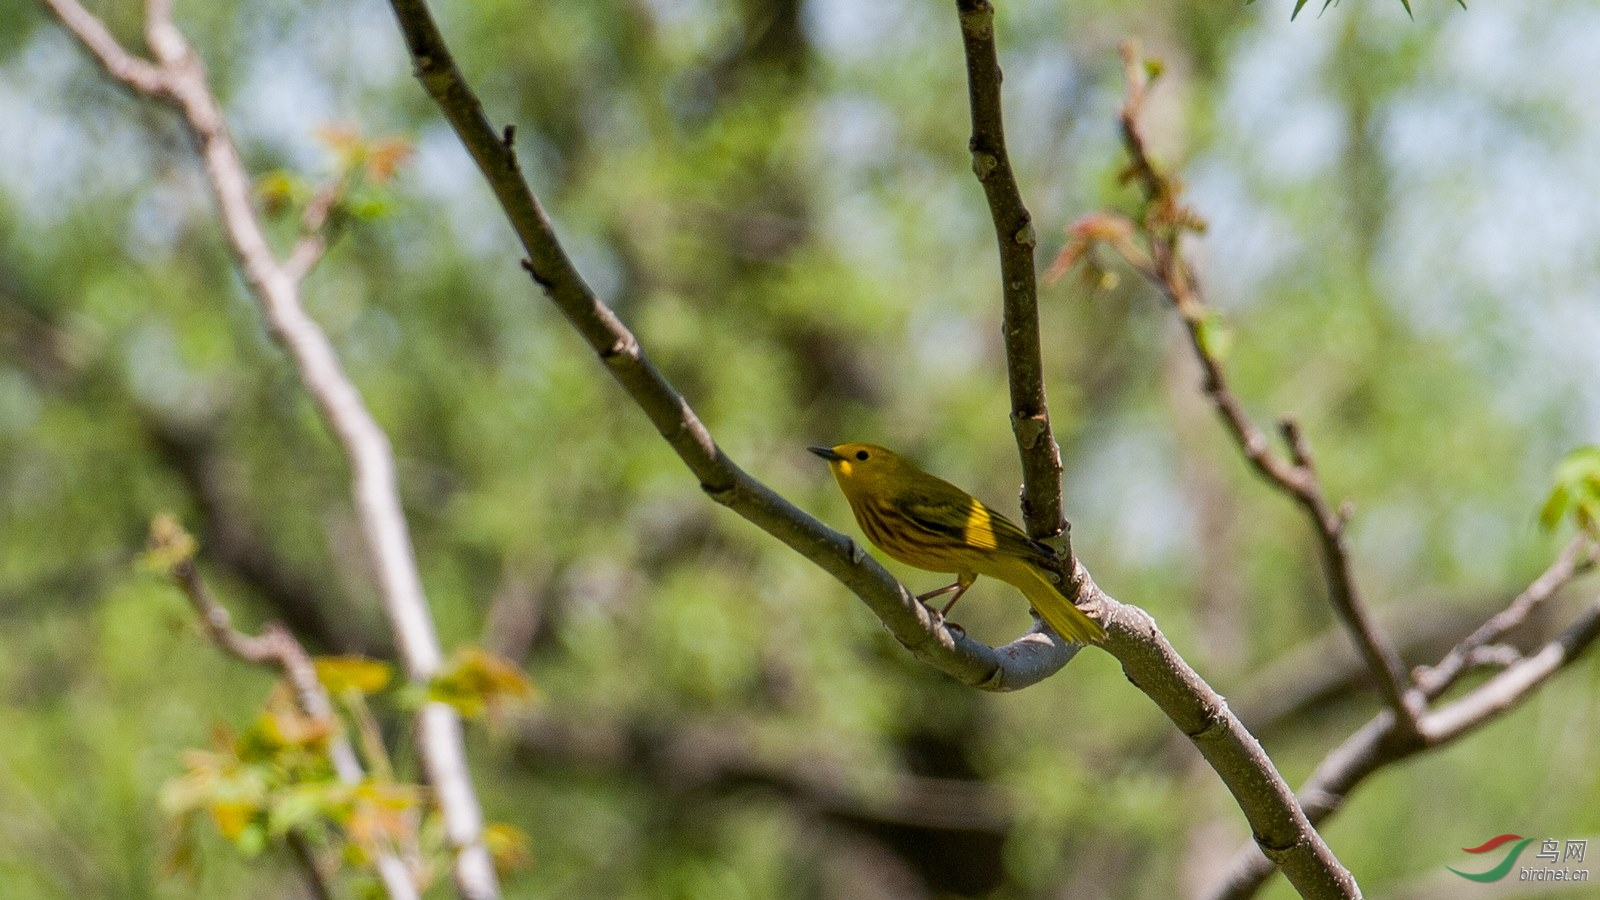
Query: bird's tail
point(1058, 612)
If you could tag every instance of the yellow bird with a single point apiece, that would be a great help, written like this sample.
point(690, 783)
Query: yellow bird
point(924, 521)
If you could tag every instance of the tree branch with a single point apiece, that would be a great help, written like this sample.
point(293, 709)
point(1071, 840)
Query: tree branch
point(179, 78)
point(276, 648)
point(231, 543)
point(1578, 556)
point(1381, 743)
point(1148, 659)
point(138, 74)
point(1281, 829)
point(314, 238)
point(1013, 227)
point(1022, 662)
point(1309, 678)
point(1406, 727)
point(1164, 224)
point(316, 879)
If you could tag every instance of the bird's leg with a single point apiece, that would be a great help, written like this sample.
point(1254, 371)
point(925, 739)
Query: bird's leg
point(964, 582)
point(940, 592)
point(960, 586)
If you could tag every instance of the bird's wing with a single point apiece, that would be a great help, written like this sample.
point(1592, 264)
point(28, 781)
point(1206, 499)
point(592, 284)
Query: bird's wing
point(936, 513)
point(960, 516)
point(1010, 539)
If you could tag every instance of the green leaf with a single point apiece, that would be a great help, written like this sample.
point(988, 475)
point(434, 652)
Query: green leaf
point(1575, 491)
point(367, 205)
point(508, 847)
point(299, 806)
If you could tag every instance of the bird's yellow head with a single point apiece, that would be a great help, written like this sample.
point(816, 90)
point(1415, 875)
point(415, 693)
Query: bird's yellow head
point(863, 467)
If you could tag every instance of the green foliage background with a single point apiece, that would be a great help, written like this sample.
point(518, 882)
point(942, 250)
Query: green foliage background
point(776, 196)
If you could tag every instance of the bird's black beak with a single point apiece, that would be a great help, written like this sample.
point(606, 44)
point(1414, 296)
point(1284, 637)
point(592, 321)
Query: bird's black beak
point(826, 453)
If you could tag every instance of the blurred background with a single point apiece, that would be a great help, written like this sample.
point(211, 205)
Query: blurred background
point(776, 195)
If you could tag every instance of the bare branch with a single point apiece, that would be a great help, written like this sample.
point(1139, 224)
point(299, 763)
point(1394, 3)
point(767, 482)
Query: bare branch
point(1380, 743)
point(181, 81)
point(277, 649)
point(1164, 224)
point(1406, 728)
point(136, 73)
point(1013, 226)
point(1310, 677)
point(1578, 556)
point(1149, 660)
point(1506, 689)
point(1281, 828)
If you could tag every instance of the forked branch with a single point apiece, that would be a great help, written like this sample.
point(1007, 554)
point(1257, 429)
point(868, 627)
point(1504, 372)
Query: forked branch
point(1380, 744)
point(1151, 245)
point(1022, 662)
point(1149, 660)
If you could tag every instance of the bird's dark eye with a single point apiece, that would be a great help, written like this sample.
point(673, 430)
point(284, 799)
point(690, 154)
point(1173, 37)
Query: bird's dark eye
point(861, 454)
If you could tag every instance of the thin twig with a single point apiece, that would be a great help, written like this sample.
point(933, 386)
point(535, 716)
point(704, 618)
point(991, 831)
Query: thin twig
point(276, 648)
point(1509, 686)
point(179, 78)
point(313, 241)
point(1576, 557)
point(138, 74)
point(192, 450)
point(1013, 227)
point(1309, 678)
point(1147, 658)
point(1406, 727)
point(1380, 743)
point(1164, 224)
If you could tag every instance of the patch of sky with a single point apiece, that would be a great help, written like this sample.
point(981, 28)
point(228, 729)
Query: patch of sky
point(54, 157)
point(162, 212)
point(446, 179)
point(1247, 241)
point(1491, 239)
point(1127, 487)
point(1274, 108)
point(281, 105)
point(851, 31)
